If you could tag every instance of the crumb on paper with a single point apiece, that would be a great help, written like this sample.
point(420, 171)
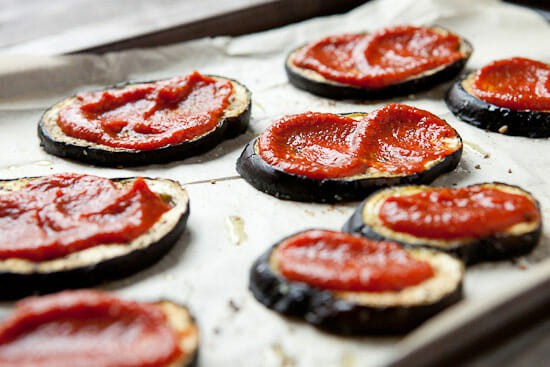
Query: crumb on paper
point(509, 170)
point(43, 163)
point(233, 305)
point(503, 129)
point(486, 156)
point(521, 263)
point(283, 358)
point(477, 166)
point(213, 182)
point(347, 360)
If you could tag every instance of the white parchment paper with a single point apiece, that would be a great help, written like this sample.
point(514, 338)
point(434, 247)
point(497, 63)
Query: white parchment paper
point(207, 269)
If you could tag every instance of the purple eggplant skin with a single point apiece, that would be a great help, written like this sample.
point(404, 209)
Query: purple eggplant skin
point(288, 186)
point(338, 91)
point(499, 246)
point(324, 310)
point(487, 116)
point(227, 128)
point(16, 285)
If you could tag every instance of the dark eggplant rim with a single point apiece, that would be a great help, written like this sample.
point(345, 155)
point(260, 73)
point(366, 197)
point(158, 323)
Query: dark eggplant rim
point(496, 247)
point(227, 128)
point(16, 285)
point(335, 90)
point(288, 186)
point(338, 316)
point(487, 116)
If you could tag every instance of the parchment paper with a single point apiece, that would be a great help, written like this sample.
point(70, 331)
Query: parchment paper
point(207, 269)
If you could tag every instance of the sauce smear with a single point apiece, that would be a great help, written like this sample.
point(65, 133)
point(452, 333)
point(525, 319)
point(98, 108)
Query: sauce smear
point(150, 115)
point(517, 83)
point(386, 57)
point(443, 213)
point(316, 145)
point(86, 329)
point(56, 215)
point(343, 262)
point(395, 138)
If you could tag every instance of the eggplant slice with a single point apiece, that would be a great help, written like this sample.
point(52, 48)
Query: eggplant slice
point(313, 82)
point(288, 186)
point(516, 240)
point(91, 266)
point(469, 108)
point(234, 122)
point(360, 313)
point(182, 322)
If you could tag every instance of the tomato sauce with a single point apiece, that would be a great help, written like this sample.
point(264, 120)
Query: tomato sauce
point(517, 83)
point(443, 213)
point(395, 138)
point(343, 262)
point(86, 329)
point(316, 145)
point(150, 115)
point(376, 60)
point(57, 215)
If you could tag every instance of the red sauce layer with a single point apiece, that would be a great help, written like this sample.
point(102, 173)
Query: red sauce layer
point(56, 215)
point(343, 262)
point(517, 83)
point(86, 329)
point(150, 115)
point(386, 57)
point(396, 139)
point(442, 213)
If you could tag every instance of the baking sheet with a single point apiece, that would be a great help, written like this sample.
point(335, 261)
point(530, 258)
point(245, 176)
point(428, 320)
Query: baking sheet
point(208, 270)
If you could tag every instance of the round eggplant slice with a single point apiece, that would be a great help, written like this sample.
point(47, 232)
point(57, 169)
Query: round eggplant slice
point(233, 122)
point(299, 187)
point(475, 111)
point(313, 82)
point(20, 277)
point(488, 235)
point(91, 312)
point(352, 312)
point(182, 322)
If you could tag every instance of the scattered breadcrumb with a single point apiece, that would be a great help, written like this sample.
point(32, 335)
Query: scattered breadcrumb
point(285, 360)
point(503, 129)
point(520, 263)
point(311, 213)
point(509, 170)
point(486, 156)
point(477, 166)
point(233, 306)
point(347, 360)
point(213, 182)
